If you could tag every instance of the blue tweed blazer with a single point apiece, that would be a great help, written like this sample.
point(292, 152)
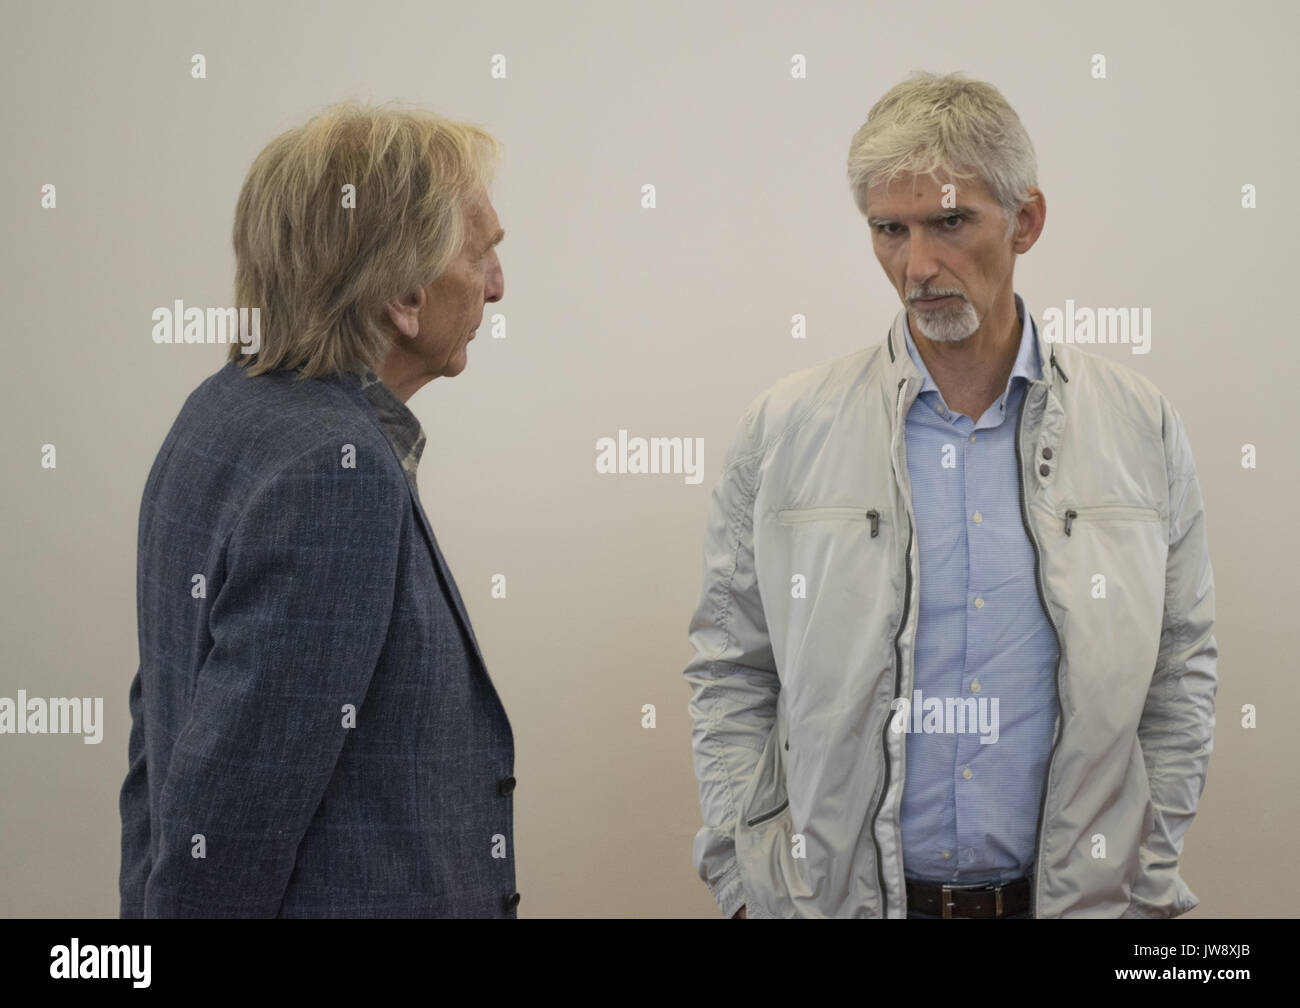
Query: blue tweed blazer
point(314, 733)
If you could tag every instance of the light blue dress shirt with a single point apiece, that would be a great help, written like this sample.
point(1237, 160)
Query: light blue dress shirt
point(970, 809)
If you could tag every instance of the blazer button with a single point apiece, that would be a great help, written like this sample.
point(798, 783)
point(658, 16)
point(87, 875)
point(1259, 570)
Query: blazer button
point(511, 902)
point(1045, 469)
point(505, 785)
point(1047, 453)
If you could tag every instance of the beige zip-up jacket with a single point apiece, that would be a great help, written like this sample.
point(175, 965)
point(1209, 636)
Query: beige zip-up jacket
point(800, 775)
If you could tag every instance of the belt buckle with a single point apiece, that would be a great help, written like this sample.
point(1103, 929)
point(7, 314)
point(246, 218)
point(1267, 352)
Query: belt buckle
point(946, 905)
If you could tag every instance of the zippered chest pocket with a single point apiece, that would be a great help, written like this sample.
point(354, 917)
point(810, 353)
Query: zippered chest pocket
point(874, 517)
point(821, 570)
point(1108, 513)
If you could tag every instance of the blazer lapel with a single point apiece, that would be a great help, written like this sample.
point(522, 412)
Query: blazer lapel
point(351, 384)
point(448, 582)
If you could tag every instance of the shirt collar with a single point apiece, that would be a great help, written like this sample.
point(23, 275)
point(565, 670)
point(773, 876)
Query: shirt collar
point(401, 426)
point(1028, 364)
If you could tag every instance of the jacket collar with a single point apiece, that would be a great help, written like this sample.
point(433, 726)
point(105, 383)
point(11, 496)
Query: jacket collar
point(901, 365)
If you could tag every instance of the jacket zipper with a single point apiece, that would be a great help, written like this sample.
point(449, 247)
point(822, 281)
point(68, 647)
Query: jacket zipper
point(768, 815)
point(898, 671)
point(1060, 709)
point(1100, 512)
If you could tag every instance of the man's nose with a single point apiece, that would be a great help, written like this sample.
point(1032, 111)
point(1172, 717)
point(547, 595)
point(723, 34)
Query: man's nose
point(495, 289)
point(921, 263)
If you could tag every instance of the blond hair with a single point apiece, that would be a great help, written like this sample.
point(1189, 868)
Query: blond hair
point(951, 123)
point(322, 272)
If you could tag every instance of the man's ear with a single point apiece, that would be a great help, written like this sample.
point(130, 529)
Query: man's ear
point(404, 313)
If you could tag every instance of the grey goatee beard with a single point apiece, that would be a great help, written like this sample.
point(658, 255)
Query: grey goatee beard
point(950, 324)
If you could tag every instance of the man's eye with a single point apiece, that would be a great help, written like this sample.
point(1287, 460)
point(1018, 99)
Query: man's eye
point(953, 218)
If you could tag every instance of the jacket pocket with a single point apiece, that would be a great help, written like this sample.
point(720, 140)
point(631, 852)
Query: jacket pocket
point(852, 513)
point(758, 820)
point(1108, 513)
point(772, 878)
point(764, 834)
point(1109, 575)
point(765, 797)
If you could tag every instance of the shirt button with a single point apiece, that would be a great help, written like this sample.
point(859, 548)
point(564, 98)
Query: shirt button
point(947, 854)
point(511, 902)
point(972, 439)
point(979, 603)
point(1044, 469)
point(967, 774)
point(1047, 453)
point(978, 517)
point(975, 686)
point(505, 786)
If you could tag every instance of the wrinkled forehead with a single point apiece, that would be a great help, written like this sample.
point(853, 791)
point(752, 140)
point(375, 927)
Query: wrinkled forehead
point(925, 192)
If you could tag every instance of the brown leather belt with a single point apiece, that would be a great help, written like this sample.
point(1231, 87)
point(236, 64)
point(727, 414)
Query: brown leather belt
point(950, 901)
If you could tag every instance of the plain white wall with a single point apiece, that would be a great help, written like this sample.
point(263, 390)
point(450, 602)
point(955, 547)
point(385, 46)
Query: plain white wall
point(662, 322)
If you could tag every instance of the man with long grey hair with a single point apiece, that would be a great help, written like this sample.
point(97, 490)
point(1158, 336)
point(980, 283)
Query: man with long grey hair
point(954, 647)
point(314, 733)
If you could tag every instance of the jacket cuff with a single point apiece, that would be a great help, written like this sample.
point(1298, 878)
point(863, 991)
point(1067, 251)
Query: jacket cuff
point(1181, 900)
point(728, 892)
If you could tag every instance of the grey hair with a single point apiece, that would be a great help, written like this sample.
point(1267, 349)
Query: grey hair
point(951, 123)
